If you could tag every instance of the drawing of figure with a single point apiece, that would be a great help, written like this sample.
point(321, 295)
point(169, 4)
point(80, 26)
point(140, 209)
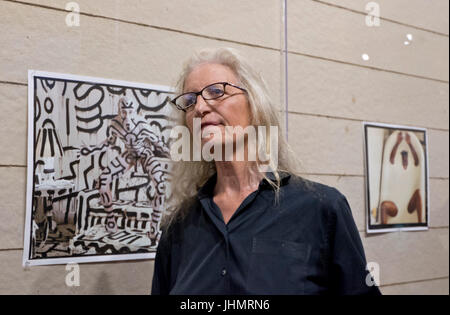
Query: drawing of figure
point(141, 145)
point(403, 180)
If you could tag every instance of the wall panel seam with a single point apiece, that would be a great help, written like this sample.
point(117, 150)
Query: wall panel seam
point(357, 175)
point(13, 83)
point(368, 67)
point(10, 249)
point(430, 228)
point(306, 174)
point(382, 18)
point(359, 230)
point(359, 120)
point(291, 112)
point(12, 165)
point(414, 281)
point(225, 40)
point(162, 28)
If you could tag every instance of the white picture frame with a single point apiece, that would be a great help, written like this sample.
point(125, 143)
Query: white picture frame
point(61, 92)
point(395, 169)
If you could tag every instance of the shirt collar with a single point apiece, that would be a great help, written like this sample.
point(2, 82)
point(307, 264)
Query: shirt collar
point(208, 188)
point(284, 178)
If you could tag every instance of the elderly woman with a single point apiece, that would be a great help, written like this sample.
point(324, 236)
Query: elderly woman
point(244, 226)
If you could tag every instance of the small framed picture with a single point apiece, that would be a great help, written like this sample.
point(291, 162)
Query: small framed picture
point(396, 169)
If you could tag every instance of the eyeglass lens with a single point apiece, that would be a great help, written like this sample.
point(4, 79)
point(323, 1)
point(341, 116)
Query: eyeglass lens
point(208, 93)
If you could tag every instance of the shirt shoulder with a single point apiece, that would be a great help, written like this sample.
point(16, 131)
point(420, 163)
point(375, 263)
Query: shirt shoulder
point(311, 196)
point(326, 195)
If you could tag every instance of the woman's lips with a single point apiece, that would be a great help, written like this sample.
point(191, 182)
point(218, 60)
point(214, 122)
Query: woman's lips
point(207, 124)
point(208, 129)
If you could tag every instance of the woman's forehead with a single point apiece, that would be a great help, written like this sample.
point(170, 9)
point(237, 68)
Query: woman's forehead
point(208, 73)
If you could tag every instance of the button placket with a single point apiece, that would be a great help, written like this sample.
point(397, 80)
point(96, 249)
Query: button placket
point(227, 255)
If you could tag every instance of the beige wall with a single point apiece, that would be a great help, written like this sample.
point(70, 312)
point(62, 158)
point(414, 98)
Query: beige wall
point(331, 91)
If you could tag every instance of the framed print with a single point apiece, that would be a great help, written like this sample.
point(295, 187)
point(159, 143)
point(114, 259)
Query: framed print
point(98, 164)
point(396, 166)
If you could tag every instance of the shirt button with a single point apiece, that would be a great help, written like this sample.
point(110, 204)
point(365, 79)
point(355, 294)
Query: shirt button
point(224, 272)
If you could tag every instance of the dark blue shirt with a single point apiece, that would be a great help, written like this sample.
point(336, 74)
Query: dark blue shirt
point(307, 243)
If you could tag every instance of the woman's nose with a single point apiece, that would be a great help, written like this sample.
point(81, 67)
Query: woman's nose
point(201, 106)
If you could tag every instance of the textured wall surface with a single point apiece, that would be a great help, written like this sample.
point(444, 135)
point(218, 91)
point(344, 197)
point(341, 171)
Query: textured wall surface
point(331, 91)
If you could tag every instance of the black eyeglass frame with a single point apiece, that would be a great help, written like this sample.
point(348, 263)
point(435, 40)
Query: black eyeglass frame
point(173, 101)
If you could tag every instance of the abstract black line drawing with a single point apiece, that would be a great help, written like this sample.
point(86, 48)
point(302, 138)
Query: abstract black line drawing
point(98, 165)
point(143, 146)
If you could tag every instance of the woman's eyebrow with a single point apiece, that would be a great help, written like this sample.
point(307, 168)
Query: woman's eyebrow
point(189, 90)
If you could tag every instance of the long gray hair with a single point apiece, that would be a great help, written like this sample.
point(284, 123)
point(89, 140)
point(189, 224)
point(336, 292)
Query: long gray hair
point(188, 176)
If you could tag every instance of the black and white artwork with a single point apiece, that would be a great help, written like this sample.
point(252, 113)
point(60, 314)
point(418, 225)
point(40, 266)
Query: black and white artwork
point(98, 165)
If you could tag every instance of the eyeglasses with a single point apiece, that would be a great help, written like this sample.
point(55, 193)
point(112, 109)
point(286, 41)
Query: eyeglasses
point(210, 92)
